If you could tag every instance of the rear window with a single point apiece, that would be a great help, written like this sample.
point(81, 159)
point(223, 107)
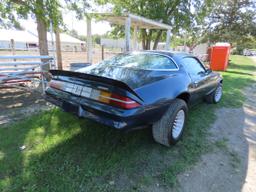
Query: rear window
point(141, 61)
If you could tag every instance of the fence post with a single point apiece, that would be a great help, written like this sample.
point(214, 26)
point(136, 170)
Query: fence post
point(135, 38)
point(127, 33)
point(42, 76)
point(102, 52)
point(13, 48)
point(89, 39)
point(168, 39)
point(53, 63)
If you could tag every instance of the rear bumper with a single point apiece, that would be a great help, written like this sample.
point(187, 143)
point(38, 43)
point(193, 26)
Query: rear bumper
point(107, 115)
point(80, 111)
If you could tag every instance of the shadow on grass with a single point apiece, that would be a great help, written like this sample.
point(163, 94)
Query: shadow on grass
point(233, 86)
point(239, 73)
point(12, 98)
point(64, 153)
point(242, 67)
point(15, 103)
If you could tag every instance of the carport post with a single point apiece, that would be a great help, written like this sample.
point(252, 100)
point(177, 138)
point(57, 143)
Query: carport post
point(127, 34)
point(135, 38)
point(89, 39)
point(168, 39)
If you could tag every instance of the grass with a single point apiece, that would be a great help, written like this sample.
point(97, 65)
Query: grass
point(238, 75)
point(222, 144)
point(63, 153)
point(235, 160)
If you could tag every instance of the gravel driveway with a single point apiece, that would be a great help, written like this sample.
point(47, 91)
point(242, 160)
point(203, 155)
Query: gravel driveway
point(231, 166)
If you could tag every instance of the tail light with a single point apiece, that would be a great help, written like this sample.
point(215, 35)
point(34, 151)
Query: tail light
point(56, 84)
point(118, 100)
point(95, 94)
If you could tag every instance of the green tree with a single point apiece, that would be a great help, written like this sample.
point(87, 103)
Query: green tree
point(7, 19)
point(233, 21)
point(196, 29)
point(43, 11)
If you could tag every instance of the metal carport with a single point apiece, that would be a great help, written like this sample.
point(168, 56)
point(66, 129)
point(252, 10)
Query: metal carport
point(130, 21)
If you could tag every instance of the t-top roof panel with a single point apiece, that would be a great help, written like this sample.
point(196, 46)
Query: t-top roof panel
point(139, 21)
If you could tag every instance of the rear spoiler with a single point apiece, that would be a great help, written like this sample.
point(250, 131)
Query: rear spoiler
point(95, 78)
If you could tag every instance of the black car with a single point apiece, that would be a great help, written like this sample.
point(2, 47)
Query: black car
point(138, 89)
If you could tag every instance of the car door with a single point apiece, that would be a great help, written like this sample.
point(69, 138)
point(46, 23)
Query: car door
point(199, 77)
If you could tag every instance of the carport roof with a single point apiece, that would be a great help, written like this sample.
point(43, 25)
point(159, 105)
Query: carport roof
point(136, 20)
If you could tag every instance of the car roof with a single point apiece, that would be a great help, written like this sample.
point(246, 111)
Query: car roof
point(167, 53)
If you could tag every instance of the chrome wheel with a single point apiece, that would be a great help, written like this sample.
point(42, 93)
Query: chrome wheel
point(218, 94)
point(178, 124)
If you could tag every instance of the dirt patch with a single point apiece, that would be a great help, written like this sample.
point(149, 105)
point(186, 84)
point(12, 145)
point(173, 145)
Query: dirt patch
point(16, 104)
point(231, 166)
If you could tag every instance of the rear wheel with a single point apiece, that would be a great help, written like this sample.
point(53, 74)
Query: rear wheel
point(215, 96)
point(168, 130)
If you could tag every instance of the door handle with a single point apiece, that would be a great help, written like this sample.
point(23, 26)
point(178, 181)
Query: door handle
point(195, 84)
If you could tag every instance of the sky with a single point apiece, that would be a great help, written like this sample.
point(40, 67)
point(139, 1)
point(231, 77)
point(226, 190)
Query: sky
point(72, 22)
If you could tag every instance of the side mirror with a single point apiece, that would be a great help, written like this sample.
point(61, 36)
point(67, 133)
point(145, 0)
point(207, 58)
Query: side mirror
point(208, 71)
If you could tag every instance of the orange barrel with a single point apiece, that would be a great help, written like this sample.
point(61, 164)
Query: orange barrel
point(219, 56)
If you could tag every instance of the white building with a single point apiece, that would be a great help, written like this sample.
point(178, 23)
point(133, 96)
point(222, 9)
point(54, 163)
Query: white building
point(112, 43)
point(19, 40)
point(25, 40)
point(182, 49)
point(200, 49)
point(68, 43)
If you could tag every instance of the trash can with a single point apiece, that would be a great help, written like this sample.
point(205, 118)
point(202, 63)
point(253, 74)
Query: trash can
point(219, 56)
point(76, 66)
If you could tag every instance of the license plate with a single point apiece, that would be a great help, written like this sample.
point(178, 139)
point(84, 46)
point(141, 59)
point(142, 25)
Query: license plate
point(78, 89)
point(86, 92)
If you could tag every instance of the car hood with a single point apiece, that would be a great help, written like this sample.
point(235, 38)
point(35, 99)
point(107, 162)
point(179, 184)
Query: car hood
point(134, 78)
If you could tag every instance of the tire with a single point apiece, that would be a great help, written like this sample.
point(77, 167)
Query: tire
point(213, 97)
point(164, 131)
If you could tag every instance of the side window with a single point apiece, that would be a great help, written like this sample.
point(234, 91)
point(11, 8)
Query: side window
point(193, 67)
point(160, 62)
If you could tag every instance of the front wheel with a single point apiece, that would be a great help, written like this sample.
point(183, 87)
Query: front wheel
point(168, 130)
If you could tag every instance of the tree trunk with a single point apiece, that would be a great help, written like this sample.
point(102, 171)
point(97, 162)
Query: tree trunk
point(146, 39)
point(147, 44)
point(58, 49)
point(158, 36)
point(42, 39)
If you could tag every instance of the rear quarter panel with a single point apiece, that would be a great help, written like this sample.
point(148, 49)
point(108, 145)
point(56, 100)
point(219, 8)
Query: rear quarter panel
point(164, 91)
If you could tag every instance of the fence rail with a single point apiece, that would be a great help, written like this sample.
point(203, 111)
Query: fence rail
point(26, 73)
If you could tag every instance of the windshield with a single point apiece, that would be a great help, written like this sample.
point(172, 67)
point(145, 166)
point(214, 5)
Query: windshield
point(147, 61)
